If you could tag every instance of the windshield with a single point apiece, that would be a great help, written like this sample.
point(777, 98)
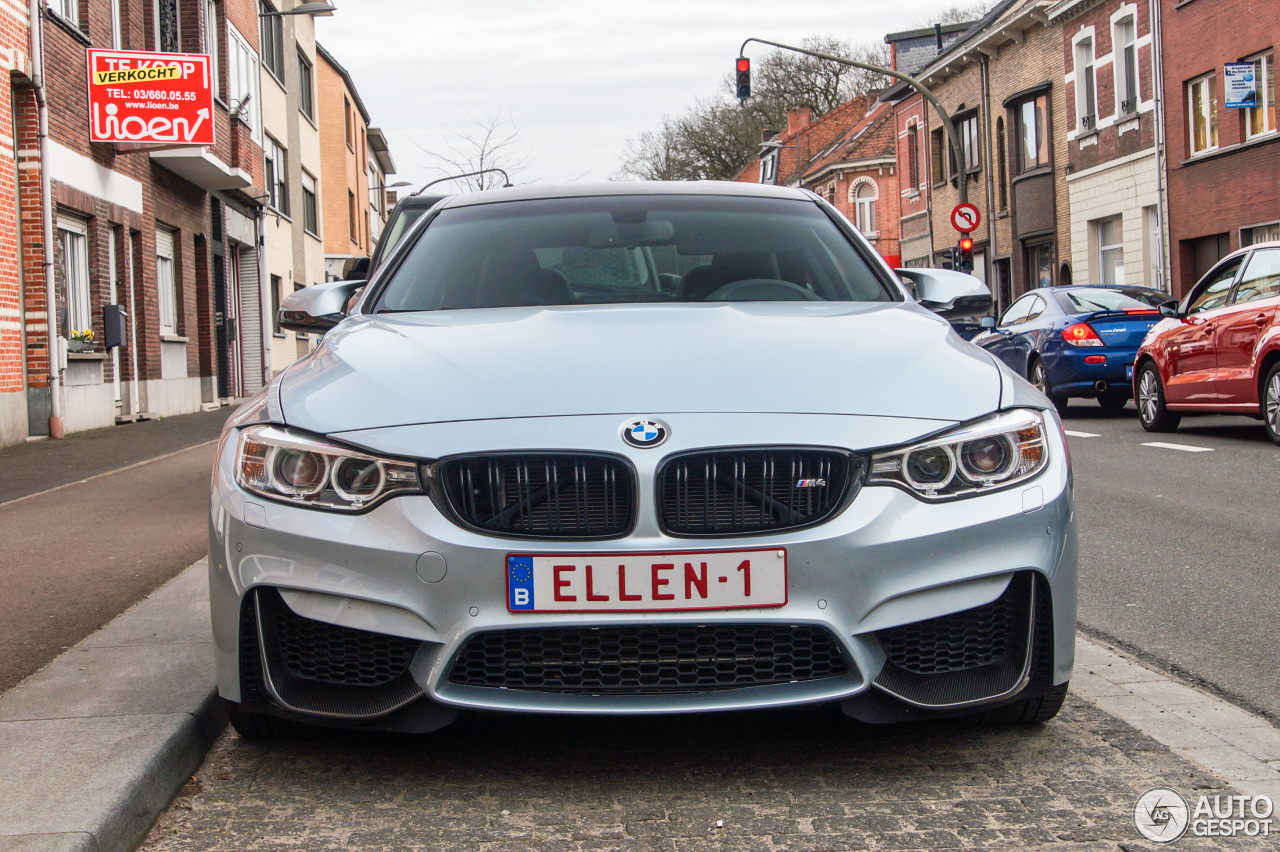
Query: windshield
point(1099, 299)
point(581, 251)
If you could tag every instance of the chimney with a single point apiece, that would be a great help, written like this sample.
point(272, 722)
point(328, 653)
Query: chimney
point(798, 119)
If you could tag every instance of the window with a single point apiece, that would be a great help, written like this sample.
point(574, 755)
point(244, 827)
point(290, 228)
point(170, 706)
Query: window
point(864, 206)
point(1125, 64)
point(306, 87)
point(117, 35)
point(346, 115)
point(275, 306)
point(1262, 118)
point(936, 145)
point(276, 175)
point(1018, 311)
point(1040, 265)
point(166, 283)
point(74, 263)
point(310, 212)
point(1110, 236)
point(1002, 168)
point(68, 10)
point(1202, 113)
point(1033, 147)
point(352, 225)
point(913, 156)
point(242, 80)
point(168, 37)
point(210, 41)
point(1261, 279)
point(271, 40)
point(969, 143)
point(1086, 86)
point(1212, 292)
point(1259, 234)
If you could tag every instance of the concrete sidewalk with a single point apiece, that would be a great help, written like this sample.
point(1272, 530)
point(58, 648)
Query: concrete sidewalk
point(97, 743)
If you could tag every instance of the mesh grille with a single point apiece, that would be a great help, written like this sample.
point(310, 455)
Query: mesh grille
point(963, 640)
point(328, 653)
point(745, 491)
point(636, 659)
point(542, 495)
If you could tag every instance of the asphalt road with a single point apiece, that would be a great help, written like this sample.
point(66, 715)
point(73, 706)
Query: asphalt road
point(74, 557)
point(1178, 549)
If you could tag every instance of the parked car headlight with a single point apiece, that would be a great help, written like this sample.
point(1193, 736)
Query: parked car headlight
point(295, 468)
point(993, 453)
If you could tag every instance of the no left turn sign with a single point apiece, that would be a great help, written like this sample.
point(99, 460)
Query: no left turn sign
point(965, 217)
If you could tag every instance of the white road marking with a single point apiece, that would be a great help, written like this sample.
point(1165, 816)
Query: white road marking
point(1074, 434)
point(1186, 448)
point(1232, 743)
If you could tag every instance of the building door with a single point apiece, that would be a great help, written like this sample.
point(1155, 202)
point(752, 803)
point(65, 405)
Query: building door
point(1207, 251)
point(235, 384)
point(113, 296)
point(1003, 289)
point(1039, 266)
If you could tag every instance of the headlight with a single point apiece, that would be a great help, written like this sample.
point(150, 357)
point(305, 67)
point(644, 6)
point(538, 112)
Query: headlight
point(994, 453)
point(294, 468)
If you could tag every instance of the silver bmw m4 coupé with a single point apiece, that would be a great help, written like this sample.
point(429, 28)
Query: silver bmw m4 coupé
point(641, 448)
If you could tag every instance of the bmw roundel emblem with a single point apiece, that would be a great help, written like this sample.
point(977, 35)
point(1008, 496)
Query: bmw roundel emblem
point(645, 433)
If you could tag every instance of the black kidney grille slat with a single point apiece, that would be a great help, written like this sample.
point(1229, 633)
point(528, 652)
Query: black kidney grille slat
point(753, 490)
point(541, 495)
point(636, 659)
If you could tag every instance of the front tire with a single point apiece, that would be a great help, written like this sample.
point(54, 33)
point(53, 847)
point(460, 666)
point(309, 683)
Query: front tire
point(261, 726)
point(1149, 393)
point(1039, 377)
point(1271, 402)
point(1028, 711)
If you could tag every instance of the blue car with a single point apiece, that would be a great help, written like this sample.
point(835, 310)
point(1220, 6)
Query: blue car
point(1076, 341)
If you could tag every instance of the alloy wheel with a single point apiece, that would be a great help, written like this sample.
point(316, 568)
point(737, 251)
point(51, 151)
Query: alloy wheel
point(1148, 396)
point(1272, 403)
point(1040, 378)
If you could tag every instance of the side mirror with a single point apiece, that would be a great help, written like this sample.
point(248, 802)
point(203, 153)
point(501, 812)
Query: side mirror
point(987, 322)
point(356, 269)
point(1170, 309)
point(318, 308)
point(950, 294)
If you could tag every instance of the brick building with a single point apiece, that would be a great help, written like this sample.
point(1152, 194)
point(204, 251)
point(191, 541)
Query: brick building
point(1222, 162)
point(354, 166)
point(14, 317)
point(846, 156)
point(1113, 173)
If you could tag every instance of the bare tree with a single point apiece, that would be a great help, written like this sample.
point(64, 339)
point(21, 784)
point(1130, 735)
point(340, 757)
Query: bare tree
point(960, 13)
point(716, 137)
point(489, 144)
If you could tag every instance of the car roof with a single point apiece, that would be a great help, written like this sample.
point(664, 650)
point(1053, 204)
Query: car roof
point(625, 189)
point(416, 200)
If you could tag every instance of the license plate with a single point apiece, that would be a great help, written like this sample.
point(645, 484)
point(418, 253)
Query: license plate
point(646, 582)
point(1128, 371)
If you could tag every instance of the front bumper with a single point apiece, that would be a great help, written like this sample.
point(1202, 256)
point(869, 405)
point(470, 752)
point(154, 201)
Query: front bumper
point(404, 570)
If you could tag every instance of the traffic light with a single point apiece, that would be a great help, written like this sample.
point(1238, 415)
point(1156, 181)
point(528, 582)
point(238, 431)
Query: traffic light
point(964, 254)
point(744, 78)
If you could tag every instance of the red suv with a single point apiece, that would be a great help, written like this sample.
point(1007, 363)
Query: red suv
point(1218, 350)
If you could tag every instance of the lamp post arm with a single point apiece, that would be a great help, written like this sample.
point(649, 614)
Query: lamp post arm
point(957, 148)
point(505, 178)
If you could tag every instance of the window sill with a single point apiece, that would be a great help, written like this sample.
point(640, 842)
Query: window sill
point(274, 76)
point(310, 118)
point(275, 211)
point(279, 335)
point(1260, 139)
point(70, 27)
point(86, 356)
point(312, 234)
point(174, 338)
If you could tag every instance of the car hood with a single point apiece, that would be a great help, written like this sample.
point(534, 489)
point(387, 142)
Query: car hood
point(895, 360)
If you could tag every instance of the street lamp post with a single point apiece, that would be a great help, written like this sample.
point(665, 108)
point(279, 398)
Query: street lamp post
point(316, 9)
point(957, 148)
point(505, 178)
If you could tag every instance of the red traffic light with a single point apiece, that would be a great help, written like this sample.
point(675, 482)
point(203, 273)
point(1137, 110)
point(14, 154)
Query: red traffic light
point(966, 244)
point(744, 64)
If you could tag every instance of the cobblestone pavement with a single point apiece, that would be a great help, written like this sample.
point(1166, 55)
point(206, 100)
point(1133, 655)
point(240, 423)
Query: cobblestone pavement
point(792, 780)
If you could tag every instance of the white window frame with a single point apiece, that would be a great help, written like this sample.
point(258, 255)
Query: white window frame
point(310, 205)
point(243, 79)
point(275, 161)
point(864, 208)
point(969, 141)
point(1126, 21)
point(1249, 235)
point(1206, 85)
point(1085, 51)
point(73, 241)
point(1265, 62)
point(166, 281)
point(210, 42)
point(68, 10)
point(1106, 271)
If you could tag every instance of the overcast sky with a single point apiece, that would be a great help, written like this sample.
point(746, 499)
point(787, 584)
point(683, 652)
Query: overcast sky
point(577, 79)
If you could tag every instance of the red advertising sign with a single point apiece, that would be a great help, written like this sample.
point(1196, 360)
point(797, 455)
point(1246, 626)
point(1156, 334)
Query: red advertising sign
point(150, 98)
